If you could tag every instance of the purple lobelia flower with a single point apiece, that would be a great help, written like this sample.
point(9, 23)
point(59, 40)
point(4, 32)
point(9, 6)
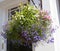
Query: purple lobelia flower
point(44, 35)
point(24, 33)
point(35, 33)
point(28, 39)
point(37, 38)
point(52, 30)
point(50, 40)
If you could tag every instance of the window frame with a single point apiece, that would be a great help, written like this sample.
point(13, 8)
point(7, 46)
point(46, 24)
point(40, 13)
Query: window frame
point(12, 10)
point(17, 7)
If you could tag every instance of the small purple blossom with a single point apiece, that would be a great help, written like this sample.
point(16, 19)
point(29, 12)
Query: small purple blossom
point(35, 33)
point(52, 30)
point(28, 39)
point(37, 38)
point(51, 40)
point(24, 33)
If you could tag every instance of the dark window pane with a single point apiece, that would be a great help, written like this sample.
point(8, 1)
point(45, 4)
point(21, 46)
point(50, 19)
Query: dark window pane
point(12, 12)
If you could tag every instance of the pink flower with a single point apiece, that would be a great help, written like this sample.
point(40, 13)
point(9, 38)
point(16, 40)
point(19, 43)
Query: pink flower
point(41, 11)
point(47, 17)
point(47, 12)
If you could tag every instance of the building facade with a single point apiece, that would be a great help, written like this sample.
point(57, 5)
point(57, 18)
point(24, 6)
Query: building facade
point(50, 5)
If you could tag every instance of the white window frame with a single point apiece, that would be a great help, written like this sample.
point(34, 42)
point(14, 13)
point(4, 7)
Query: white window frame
point(12, 10)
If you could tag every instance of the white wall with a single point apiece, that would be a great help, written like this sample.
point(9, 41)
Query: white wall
point(4, 6)
point(2, 40)
point(55, 17)
point(52, 7)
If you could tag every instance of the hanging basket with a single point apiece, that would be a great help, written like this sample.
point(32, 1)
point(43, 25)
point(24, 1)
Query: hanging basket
point(29, 26)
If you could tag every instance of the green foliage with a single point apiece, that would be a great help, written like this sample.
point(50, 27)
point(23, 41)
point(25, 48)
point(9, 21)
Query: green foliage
point(28, 20)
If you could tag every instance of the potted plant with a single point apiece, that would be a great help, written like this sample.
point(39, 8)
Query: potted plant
point(28, 26)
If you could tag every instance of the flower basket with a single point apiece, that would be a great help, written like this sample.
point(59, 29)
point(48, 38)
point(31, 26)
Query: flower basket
point(28, 26)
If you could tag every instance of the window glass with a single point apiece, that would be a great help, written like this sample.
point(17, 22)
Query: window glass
point(12, 12)
point(37, 3)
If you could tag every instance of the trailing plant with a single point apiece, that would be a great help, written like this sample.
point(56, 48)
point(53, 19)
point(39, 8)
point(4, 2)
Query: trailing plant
point(28, 26)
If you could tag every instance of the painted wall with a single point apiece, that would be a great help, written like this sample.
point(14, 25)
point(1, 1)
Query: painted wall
point(55, 17)
point(4, 6)
point(1, 38)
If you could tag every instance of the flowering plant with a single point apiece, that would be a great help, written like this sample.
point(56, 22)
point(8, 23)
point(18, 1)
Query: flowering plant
point(28, 26)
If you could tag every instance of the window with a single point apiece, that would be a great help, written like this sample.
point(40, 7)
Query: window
point(37, 3)
point(12, 12)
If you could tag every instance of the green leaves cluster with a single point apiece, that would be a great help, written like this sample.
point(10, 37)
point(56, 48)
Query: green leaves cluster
point(28, 19)
point(22, 21)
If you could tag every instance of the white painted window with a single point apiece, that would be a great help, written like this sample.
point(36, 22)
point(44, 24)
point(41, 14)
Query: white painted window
point(37, 3)
point(12, 12)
